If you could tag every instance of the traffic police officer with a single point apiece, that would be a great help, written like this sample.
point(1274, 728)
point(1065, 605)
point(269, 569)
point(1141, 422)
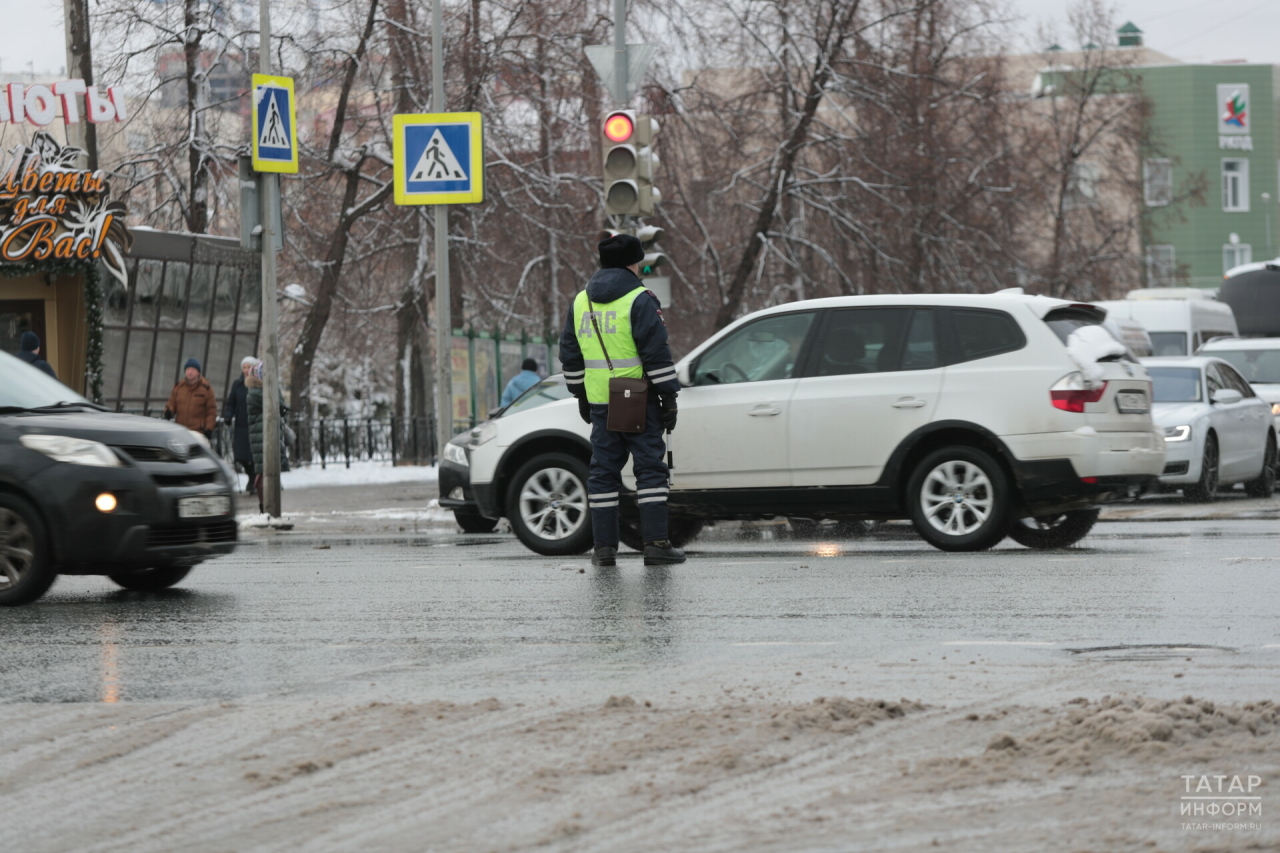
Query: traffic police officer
point(630, 320)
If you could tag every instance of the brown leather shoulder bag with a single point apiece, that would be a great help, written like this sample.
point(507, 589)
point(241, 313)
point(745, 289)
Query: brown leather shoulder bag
point(628, 398)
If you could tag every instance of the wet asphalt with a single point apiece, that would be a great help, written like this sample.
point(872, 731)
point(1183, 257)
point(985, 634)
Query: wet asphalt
point(1165, 608)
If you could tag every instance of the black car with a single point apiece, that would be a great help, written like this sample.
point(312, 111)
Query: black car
point(85, 491)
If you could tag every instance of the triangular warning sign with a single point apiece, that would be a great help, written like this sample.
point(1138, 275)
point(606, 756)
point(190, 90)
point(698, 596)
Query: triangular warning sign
point(273, 134)
point(438, 162)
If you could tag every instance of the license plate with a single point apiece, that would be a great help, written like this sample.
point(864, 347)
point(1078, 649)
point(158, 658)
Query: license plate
point(1133, 402)
point(204, 506)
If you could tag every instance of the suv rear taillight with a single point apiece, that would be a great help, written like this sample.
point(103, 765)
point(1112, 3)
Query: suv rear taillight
point(1070, 393)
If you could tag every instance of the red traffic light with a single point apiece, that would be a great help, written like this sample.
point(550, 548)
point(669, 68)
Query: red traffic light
point(618, 127)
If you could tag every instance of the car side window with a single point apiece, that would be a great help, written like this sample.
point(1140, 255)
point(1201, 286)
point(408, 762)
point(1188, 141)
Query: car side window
point(921, 352)
point(1235, 380)
point(861, 340)
point(766, 349)
point(982, 333)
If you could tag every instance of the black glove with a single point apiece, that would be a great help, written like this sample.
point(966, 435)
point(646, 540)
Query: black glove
point(584, 409)
point(667, 412)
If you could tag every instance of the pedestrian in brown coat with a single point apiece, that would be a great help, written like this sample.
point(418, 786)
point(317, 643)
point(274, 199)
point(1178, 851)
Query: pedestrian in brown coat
point(192, 403)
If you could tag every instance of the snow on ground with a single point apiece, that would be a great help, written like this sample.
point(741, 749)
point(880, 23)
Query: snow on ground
point(432, 513)
point(359, 474)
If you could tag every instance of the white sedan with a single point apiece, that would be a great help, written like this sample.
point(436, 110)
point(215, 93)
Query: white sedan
point(1217, 430)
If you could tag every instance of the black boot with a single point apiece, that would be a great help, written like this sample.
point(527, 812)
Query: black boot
point(604, 556)
point(662, 553)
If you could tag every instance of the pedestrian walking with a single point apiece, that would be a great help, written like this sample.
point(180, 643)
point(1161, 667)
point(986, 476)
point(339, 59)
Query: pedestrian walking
point(521, 382)
point(30, 353)
point(614, 331)
point(257, 427)
point(192, 402)
point(235, 412)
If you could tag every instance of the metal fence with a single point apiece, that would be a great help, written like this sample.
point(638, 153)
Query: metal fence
point(341, 441)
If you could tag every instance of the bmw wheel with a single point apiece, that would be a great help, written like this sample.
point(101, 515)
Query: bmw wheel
point(547, 505)
point(26, 572)
point(959, 499)
point(1053, 531)
point(680, 532)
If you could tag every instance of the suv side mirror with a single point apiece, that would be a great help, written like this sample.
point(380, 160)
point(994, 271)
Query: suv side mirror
point(684, 374)
point(1227, 396)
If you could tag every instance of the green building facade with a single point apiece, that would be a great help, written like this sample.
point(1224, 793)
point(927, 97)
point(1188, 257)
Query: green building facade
point(1219, 123)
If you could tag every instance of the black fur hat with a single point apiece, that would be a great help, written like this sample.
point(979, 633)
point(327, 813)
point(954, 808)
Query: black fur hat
point(620, 251)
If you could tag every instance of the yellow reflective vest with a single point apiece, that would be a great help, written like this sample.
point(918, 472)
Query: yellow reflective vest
point(614, 322)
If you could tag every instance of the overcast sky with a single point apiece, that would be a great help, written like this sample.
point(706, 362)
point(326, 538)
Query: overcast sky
point(1191, 30)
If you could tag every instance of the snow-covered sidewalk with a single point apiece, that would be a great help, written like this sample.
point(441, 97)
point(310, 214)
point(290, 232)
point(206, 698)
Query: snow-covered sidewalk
point(359, 474)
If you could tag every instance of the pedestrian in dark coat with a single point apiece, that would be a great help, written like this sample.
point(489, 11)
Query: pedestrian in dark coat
point(236, 413)
point(30, 353)
point(257, 427)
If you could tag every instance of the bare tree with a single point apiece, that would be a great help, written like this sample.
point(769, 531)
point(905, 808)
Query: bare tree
point(186, 68)
point(1085, 134)
point(347, 168)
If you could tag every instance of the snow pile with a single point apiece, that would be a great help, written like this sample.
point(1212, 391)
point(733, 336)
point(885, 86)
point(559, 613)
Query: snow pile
point(1139, 726)
point(359, 474)
point(1087, 346)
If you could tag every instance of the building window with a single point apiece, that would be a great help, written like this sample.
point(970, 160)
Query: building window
point(1234, 256)
point(1157, 182)
point(1161, 266)
point(1235, 185)
point(1082, 188)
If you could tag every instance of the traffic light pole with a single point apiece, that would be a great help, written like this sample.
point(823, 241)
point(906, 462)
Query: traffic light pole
point(621, 62)
point(620, 58)
point(444, 323)
point(271, 344)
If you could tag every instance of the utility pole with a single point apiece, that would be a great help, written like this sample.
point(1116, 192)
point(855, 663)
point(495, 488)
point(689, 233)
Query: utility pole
point(271, 346)
point(444, 322)
point(84, 134)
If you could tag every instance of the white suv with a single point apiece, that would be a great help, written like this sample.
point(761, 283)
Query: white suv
point(966, 414)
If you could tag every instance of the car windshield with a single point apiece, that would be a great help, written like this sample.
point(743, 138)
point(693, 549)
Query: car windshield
point(1169, 343)
point(24, 387)
point(546, 391)
point(1257, 365)
point(1176, 384)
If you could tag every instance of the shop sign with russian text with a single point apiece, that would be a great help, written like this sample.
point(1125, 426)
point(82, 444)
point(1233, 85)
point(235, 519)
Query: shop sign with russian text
point(51, 210)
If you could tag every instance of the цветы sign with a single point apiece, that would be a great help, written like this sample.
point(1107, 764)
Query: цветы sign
point(50, 210)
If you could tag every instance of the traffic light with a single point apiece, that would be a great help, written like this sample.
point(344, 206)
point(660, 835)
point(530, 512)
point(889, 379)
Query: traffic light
point(649, 235)
point(629, 164)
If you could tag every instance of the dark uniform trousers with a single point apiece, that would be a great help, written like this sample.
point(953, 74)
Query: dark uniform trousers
point(609, 451)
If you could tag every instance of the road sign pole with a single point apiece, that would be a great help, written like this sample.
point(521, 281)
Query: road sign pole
point(271, 348)
point(444, 322)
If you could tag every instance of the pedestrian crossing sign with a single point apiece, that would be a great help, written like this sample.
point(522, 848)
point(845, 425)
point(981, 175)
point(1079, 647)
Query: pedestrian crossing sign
point(274, 125)
point(439, 158)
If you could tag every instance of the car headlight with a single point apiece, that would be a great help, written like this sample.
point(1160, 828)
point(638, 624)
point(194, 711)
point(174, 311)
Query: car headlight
point(456, 454)
point(487, 431)
point(1275, 408)
point(77, 451)
point(1177, 433)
